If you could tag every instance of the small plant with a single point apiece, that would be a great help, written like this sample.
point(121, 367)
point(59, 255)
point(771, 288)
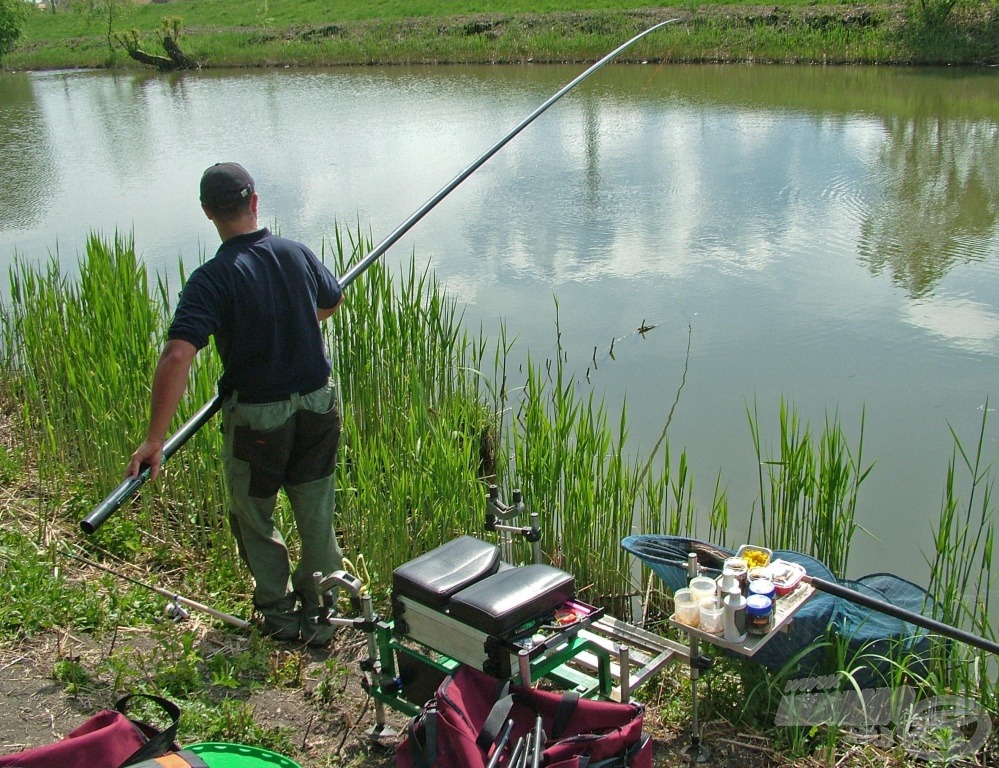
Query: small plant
point(286, 669)
point(248, 668)
point(333, 681)
point(10, 466)
point(72, 674)
point(224, 674)
point(176, 666)
point(230, 720)
point(933, 13)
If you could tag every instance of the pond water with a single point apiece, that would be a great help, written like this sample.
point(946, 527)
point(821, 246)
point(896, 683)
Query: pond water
point(825, 235)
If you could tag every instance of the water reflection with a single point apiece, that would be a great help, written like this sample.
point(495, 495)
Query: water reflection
point(26, 166)
point(940, 186)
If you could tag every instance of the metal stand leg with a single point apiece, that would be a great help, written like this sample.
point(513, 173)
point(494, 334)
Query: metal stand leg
point(695, 750)
point(371, 668)
point(381, 731)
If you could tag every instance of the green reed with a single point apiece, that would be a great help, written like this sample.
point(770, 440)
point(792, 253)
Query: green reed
point(571, 459)
point(82, 352)
point(809, 490)
point(411, 470)
point(430, 420)
point(813, 493)
point(961, 578)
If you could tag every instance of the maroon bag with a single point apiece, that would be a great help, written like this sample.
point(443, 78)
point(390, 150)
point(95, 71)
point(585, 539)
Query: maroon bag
point(477, 721)
point(109, 739)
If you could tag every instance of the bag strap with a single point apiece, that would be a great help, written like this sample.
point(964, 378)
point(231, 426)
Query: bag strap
point(496, 718)
point(161, 742)
point(566, 708)
point(424, 745)
point(621, 760)
point(500, 712)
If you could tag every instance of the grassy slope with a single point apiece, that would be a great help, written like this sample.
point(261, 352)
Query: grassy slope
point(314, 32)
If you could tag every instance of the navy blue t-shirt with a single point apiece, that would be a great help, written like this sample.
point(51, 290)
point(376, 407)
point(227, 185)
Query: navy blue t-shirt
point(258, 297)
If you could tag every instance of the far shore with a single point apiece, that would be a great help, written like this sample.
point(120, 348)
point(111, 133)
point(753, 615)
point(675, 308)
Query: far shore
point(862, 33)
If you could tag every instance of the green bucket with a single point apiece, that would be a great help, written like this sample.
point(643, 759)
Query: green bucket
point(218, 754)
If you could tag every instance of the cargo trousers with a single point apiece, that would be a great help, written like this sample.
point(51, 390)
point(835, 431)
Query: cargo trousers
point(289, 445)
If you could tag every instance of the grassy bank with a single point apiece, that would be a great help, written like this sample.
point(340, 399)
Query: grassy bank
point(309, 33)
point(431, 415)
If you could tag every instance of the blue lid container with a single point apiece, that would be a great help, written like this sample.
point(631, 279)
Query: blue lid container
point(759, 605)
point(763, 587)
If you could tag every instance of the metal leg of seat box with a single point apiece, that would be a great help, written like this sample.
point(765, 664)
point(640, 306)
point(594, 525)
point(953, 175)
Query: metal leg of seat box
point(696, 750)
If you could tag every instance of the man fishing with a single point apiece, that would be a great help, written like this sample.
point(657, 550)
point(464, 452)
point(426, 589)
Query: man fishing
point(262, 298)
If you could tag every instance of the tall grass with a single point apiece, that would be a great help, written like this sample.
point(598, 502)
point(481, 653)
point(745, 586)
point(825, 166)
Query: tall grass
point(961, 579)
point(411, 470)
point(808, 490)
point(82, 353)
point(812, 497)
point(430, 420)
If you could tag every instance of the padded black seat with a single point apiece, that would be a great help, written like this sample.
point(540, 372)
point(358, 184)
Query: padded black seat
point(432, 578)
point(502, 602)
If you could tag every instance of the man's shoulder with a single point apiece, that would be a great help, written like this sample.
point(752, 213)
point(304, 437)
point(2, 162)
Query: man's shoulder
point(211, 273)
point(277, 242)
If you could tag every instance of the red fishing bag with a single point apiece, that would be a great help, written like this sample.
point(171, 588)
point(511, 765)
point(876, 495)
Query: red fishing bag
point(465, 726)
point(109, 739)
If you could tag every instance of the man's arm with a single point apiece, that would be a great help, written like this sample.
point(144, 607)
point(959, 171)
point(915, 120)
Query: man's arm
point(169, 383)
point(324, 313)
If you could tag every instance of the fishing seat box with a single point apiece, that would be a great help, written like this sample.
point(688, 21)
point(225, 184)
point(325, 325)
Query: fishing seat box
point(461, 600)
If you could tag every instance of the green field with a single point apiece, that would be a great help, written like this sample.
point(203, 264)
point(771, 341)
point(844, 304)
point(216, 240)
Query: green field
point(315, 33)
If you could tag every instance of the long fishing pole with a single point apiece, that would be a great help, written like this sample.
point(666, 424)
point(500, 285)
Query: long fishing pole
point(132, 484)
point(881, 606)
point(177, 599)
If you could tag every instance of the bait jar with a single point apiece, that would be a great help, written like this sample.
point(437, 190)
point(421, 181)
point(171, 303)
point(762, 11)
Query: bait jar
point(759, 614)
point(763, 587)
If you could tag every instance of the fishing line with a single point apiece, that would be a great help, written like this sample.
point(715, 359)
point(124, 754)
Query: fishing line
point(672, 409)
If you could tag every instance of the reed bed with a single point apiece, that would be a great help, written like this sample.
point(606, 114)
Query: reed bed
point(411, 469)
point(809, 493)
point(960, 565)
point(82, 353)
point(430, 422)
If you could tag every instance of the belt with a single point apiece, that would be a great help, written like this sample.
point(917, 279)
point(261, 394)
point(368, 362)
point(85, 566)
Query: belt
point(252, 399)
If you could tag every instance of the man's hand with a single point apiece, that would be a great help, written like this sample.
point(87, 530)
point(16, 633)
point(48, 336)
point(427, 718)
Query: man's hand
point(151, 453)
point(169, 382)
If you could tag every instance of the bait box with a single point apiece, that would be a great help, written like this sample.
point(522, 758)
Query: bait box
point(783, 613)
point(786, 576)
point(746, 548)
